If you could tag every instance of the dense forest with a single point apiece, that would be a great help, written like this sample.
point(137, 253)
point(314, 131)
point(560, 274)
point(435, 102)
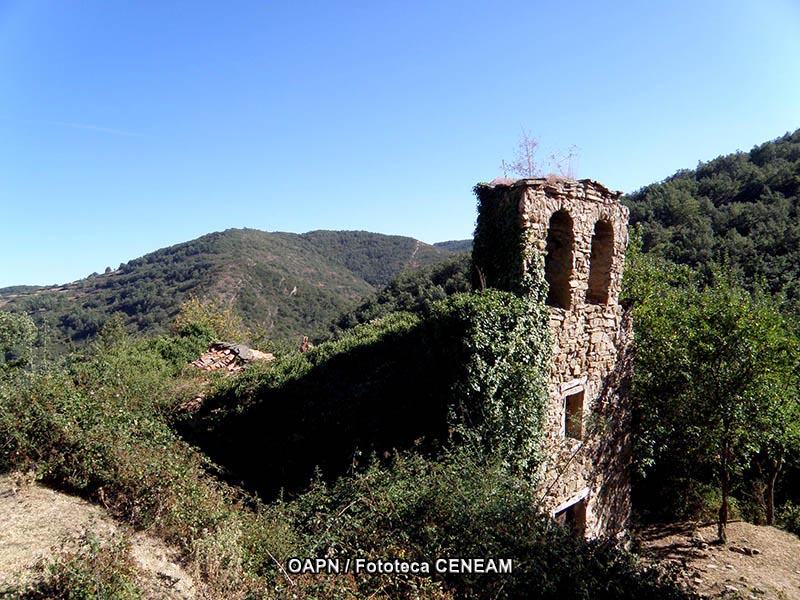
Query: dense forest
point(741, 210)
point(281, 285)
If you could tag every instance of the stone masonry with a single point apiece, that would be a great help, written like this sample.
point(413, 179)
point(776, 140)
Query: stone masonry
point(580, 229)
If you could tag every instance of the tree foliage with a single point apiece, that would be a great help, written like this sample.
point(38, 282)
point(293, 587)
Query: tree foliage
point(212, 317)
point(714, 378)
point(17, 335)
point(414, 292)
point(742, 209)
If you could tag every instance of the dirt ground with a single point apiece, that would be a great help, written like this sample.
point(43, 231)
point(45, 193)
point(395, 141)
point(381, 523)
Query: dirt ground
point(36, 521)
point(757, 563)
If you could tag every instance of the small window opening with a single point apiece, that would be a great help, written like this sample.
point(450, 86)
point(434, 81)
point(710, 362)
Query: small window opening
point(600, 263)
point(573, 416)
point(573, 517)
point(558, 259)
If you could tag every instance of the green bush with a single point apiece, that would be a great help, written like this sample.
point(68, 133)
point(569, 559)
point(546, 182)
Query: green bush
point(17, 334)
point(789, 517)
point(100, 430)
point(458, 506)
point(473, 373)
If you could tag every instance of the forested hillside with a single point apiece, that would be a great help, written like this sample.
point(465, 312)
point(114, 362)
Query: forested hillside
point(456, 245)
point(375, 258)
point(412, 291)
point(715, 289)
point(743, 209)
point(283, 285)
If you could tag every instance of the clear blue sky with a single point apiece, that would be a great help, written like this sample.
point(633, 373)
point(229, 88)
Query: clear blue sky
point(130, 126)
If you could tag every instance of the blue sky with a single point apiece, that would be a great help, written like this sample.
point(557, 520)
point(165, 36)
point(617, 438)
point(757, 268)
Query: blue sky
point(127, 127)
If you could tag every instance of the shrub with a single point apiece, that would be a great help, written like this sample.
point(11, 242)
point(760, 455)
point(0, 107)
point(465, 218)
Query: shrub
point(789, 518)
point(209, 315)
point(17, 334)
point(458, 506)
point(101, 431)
point(94, 570)
point(472, 373)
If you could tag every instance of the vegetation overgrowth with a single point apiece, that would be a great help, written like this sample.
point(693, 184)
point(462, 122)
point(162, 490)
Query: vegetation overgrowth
point(99, 424)
point(404, 435)
point(713, 276)
point(413, 292)
point(403, 381)
point(715, 394)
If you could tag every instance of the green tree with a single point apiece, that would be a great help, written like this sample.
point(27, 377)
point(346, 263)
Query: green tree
point(17, 335)
point(714, 378)
point(780, 431)
point(211, 316)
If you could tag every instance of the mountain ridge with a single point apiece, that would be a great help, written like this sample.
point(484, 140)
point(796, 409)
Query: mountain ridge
point(284, 285)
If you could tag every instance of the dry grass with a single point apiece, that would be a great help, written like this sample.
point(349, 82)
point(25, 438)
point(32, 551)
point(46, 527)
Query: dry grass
point(36, 521)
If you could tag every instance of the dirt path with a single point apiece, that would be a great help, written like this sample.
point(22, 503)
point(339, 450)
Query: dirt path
point(35, 520)
point(758, 562)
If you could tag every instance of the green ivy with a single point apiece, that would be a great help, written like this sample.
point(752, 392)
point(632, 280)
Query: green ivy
point(499, 397)
point(500, 250)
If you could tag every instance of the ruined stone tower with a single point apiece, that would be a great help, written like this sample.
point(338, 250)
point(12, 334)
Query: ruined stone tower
point(580, 229)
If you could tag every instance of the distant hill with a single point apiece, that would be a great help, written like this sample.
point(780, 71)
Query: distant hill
point(377, 259)
point(411, 291)
point(455, 245)
point(743, 209)
point(13, 290)
point(284, 285)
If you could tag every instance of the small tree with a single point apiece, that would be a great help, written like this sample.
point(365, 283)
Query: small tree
point(779, 436)
point(212, 316)
point(527, 164)
point(563, 162)
point(112, 334)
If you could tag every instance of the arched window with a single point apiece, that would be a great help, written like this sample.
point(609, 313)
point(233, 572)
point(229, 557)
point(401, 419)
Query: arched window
point(600, 263)
point(558, 260)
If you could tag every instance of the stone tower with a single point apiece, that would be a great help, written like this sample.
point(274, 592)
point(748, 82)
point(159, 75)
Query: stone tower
point(580, 229)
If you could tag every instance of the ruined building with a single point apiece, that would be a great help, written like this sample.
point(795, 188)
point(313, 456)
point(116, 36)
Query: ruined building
point(580, 229)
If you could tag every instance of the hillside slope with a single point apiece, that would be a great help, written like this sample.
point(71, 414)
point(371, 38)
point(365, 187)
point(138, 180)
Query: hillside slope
point(37, 522)
point(743, 209)
point(284, 285)
point(377, 259)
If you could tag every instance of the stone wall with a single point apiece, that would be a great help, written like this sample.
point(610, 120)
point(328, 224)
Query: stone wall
point(581, 230)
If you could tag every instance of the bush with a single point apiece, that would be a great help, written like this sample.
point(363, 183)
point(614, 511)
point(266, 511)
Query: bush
point(101, 431)
point(789, 518)
point(458, 506)
point(208, 315)
point(94, 570)
point(17, 334)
